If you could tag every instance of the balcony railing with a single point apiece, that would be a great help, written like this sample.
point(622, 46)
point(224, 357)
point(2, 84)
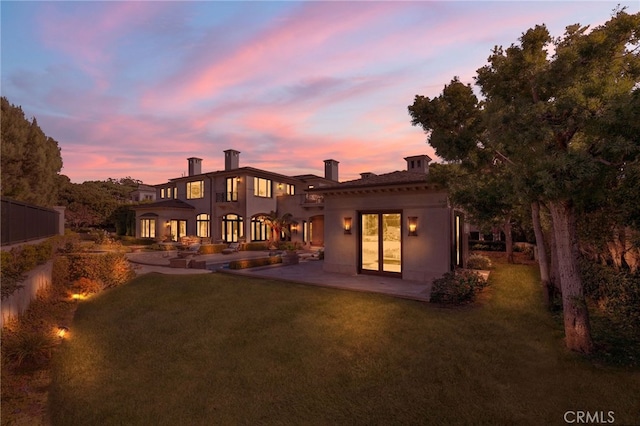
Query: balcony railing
point(314, 199)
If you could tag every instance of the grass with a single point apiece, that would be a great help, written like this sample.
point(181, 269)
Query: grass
point(220, 349)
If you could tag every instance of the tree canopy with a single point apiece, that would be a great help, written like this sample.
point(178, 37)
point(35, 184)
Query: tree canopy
point(561, 115)
point(30, 160)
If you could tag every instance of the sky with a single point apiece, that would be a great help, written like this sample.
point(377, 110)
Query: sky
point(133, 89)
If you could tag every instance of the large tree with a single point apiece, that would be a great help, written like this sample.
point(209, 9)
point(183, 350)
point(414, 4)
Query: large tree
point(551, 111)
point(30, 160)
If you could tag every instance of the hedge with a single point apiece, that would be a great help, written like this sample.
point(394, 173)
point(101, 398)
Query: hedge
point(252, 263)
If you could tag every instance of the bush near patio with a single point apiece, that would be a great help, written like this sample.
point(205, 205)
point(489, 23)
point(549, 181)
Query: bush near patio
point(457, 287)
point(479, 262)
point(211, 248)
point(252, 263)
point(107, 269)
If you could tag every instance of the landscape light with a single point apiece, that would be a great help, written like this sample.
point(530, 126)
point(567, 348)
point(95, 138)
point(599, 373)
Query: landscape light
point(62, 331)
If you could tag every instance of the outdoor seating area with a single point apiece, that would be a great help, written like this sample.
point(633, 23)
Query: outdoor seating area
point(233, 248)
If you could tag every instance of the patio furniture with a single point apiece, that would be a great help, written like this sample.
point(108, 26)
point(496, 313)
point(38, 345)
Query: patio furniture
point(233, 247)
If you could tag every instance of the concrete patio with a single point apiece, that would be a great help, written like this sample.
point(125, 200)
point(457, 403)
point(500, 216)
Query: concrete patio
point(306, 272)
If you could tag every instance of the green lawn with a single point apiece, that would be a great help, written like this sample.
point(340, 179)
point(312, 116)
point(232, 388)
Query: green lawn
point(220, 349)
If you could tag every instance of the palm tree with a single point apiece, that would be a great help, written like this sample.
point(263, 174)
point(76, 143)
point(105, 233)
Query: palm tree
point(278, 224)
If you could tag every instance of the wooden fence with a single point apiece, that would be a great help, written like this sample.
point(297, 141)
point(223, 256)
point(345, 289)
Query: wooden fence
point(23, 222)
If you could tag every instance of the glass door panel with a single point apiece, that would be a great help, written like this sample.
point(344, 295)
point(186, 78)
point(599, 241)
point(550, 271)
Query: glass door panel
point(370, 242)
point(391, 248)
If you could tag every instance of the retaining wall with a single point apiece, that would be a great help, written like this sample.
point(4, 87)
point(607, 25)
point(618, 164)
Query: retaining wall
point(39, 278)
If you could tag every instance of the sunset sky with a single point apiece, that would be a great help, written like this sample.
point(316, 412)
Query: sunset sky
point(135, 88)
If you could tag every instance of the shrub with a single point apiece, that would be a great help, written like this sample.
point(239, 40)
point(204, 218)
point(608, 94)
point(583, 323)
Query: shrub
point(28, 347)
point(211, 248)
point(109, 269)
point(16, 262)
point(252, 263)
point(487, 245)
point(616, 293)
point(478, 261)
point(86, 286)
point(457, 287)
point(256, 246)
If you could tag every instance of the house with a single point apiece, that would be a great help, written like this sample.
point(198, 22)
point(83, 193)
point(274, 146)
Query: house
point(143, 193)
point(231, 205)
point(395, 224)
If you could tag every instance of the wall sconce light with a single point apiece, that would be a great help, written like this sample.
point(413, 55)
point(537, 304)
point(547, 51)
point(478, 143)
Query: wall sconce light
point(294, 228)
point(62, 330)
point(279, 186)
point(167, 224)
point(238, 179)
point(347, 225)
point(412, 222)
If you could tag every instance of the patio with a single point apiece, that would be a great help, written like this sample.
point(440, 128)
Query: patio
point(307, 271)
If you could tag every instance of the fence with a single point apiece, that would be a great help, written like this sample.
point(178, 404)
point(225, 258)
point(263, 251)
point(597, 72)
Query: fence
point(26, 222)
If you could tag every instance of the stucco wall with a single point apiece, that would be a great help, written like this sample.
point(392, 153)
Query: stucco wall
point(424, 257)
point(39, 278)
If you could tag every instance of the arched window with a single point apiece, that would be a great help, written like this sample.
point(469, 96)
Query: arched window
point(232, 228)
point(260, 231)
point(202, 225)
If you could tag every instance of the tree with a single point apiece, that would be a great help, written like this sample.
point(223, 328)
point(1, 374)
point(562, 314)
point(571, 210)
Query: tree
point(30, 160)
point(550, 119)
point(278, 224)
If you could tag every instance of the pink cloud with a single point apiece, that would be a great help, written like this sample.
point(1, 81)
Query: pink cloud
point(306, 30)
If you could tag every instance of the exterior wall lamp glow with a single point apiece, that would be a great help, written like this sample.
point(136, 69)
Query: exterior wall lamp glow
point(347, 225)
point(412, 223)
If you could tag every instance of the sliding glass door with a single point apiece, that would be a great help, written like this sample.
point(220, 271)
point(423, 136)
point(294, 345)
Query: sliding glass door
point(381, 242)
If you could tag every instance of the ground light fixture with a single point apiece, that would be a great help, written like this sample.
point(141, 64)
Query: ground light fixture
point(412, 223)
point(347, 225)
point(62, 331)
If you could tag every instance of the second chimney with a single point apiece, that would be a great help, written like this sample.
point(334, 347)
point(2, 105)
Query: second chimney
point(331, 170)
point(231, 159)
point(195, 166)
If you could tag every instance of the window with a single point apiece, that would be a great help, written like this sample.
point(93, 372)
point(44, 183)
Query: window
point(289, 189)
point(202, 225)
point(232, 228)
point(178, 228)
point(161, 192)
point(147, 228)
point(262, 187)
point(305, 231)
point(260, 231)
point(195, 189)
point(231, 193)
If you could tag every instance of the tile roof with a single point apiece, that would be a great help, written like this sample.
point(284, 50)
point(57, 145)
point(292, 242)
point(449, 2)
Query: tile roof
point(165, 204)
point(397, 177)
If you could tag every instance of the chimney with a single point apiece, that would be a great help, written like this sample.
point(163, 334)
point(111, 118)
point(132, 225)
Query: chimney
point(231, 159)
point(418, 163)
point(195, 166)
point(331, 170)
point(367, 175)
